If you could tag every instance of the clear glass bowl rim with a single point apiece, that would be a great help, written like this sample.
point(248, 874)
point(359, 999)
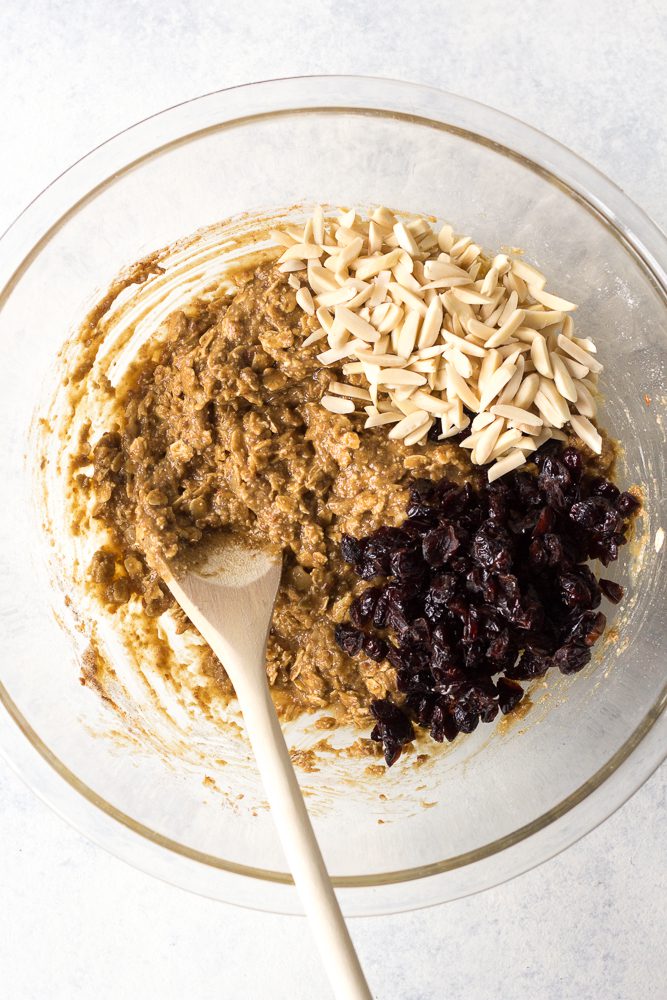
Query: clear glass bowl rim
point(645, 748)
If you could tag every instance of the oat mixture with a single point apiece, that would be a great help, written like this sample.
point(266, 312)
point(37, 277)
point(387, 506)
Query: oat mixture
point(221, 428)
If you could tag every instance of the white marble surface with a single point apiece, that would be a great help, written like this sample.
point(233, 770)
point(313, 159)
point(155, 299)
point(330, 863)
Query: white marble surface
point(75, 922)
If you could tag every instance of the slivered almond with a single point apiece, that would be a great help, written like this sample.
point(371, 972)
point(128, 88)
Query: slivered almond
point(406, 279)
point(563, 379)
point(337, 354)
point(507, 464)
point(550, 414)
point(579, 354)
point(341, 261)
point(438, 407)
point(305, 300)
point(482, 420)
point(528, 273)
point(587, 431)
point(337, 405)
point(510, 307)
point(374, 237)
point(386, 360)
point(353, 391)
point(321, 280)
point(490, 364)
point(430, 352)
point(516, 414)
point(301, 251)
point(427, 366)
point(405, 239)
point(576, 370)
point(281, 237)
point(495, 383)
point(409, 298)
point(391, 317)
point(551, 301)
point(487, 441)
point(381, 419)
point(407, 336)
point(435, 269)
point(357, 326)
point(408, 425)
point(540, 355)
point(380, 283)
point(292, 265)
point(512, 387)
point(368, 267)
point(418, 436)
point(551, 392)
point(399, 376)
point(464, 346)
point(503, 334)
point(455, 307)
point(318, 224)
point(446, 238)
point(508, 439)
point(585, 402)
point(461, 363)
point(459, 387)
point(363, 294)
point(527, 444)
point(526, 392)
point(430, 328)
point(406, 406)
point(329, 299)
point(471, 296)
point(490, 281)
point(537, 319)
point(314, 337)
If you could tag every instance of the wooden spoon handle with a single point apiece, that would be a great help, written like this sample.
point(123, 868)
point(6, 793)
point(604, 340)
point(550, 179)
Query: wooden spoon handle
point(299, 842)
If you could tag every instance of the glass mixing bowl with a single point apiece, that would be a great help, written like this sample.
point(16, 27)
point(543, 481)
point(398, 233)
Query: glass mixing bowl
point(493, 804)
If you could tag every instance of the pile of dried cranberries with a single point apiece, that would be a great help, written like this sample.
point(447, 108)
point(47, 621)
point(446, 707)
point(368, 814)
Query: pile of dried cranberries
point(479, 589)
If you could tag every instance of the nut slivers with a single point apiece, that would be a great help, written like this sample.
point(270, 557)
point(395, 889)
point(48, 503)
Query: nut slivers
point(432, 335)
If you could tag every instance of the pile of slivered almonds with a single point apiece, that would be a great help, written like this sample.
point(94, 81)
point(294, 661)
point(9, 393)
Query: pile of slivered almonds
point(433, 328)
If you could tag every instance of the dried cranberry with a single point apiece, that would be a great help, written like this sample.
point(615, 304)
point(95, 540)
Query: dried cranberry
point(440, 544)
point(375, 648)
point(612, 591)
point(443, 726)
point(509, 694)
point(545, 522)
point(492, 547)
point(407, 564)
point(600, 487)
point(571, 658)
point(363, 607)
point(349, 638)
point(596, 515)
point(351, 549)
point(572, 459)
point(393, 729)
point(533, 663)
point(576, 591)
point(488, 588)
point(627, 504)
point(381, 607)
point(587, 628)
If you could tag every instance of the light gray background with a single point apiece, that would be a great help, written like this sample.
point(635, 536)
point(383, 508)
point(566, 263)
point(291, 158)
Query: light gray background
point(75, 922)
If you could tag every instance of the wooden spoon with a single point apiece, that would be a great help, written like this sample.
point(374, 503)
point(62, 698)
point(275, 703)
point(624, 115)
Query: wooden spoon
point(228, 593)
